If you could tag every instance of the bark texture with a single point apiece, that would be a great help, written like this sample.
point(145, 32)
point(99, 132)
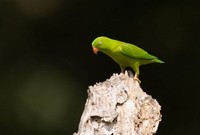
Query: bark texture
point(118, 106)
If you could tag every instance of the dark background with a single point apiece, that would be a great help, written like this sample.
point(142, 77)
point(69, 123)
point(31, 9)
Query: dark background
point(47, 63)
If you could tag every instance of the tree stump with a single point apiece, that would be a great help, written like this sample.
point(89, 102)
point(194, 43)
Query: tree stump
point(118, 106)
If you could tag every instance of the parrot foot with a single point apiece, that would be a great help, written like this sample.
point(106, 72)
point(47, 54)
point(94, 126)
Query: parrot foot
point(136, 78)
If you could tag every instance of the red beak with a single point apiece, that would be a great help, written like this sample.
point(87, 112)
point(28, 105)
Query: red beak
point(95, 50)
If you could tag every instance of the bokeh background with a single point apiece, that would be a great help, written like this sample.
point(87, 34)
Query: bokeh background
point(47, 64)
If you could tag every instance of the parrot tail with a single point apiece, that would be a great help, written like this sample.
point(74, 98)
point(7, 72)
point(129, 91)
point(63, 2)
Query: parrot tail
point(158, 61)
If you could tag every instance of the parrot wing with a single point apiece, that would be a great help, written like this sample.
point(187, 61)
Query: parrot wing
point(136, 52)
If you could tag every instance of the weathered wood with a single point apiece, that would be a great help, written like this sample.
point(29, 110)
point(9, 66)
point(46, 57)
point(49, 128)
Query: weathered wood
point(118, 106)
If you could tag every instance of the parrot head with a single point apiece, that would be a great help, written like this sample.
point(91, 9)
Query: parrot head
point(100, 44)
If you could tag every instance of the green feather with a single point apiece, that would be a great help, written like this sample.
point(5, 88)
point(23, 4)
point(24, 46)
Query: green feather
point(125, 54)
point(135, 52)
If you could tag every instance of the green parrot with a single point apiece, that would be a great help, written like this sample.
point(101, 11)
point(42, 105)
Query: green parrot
point(125, 54)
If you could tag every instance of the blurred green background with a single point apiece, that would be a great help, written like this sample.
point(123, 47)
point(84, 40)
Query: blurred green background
point(47, 64)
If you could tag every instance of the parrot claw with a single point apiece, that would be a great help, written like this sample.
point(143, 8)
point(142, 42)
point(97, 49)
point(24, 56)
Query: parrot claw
point(136, 78)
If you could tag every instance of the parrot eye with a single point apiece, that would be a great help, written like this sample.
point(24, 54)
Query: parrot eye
point(100, 42)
